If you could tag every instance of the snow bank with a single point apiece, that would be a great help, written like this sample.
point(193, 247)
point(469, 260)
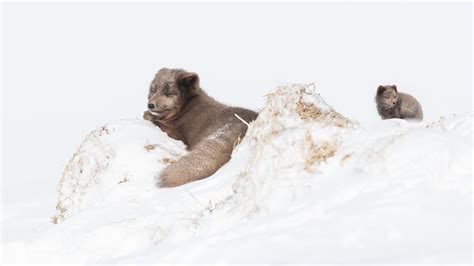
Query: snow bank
point(306, 184)
point(127, 151)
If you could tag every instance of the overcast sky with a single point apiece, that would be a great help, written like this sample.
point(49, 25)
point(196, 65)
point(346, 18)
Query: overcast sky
point(68, 68)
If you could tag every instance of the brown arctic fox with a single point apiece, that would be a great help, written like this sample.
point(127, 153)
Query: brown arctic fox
point(210, 130)
point(394, 104)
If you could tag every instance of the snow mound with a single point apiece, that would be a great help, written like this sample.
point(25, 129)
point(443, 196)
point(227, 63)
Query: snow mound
point(294, 134)
point(305, 185)
point(126, 151)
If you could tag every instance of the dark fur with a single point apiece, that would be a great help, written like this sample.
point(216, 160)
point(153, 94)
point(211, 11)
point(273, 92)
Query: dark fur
point(394, 104)
point(208, 128)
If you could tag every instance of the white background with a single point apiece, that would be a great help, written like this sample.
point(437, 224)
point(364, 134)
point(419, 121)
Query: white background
point(68, 68)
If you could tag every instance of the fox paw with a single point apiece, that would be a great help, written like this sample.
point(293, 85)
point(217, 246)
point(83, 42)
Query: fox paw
point(148, 116)
point(169, 179)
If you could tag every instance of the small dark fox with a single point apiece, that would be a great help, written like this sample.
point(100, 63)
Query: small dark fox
point(178, 105)
point(394, 104)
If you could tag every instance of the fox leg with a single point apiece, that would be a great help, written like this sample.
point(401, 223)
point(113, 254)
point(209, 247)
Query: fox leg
point(203, 160)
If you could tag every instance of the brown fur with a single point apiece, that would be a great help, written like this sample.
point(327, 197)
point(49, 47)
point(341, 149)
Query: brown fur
point(208, 128)
point(394, 104)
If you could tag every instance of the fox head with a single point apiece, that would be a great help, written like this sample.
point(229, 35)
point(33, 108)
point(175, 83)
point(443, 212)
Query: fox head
point(387, 95)
point(170, 91)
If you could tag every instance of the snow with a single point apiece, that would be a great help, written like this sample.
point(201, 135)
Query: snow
point(305, 185)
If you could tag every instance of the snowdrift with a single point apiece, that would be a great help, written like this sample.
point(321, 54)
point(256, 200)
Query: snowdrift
point(306, 184)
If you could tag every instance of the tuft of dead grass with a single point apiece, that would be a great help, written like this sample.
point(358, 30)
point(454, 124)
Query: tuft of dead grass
point(318, 152)
point(345, 158)
point(104, 131)
point(307, 111)
point(168, 160)
point(310, 112)
point(124, 179)
point(150, 147)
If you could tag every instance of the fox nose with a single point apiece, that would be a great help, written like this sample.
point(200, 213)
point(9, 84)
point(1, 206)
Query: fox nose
point(151, 106)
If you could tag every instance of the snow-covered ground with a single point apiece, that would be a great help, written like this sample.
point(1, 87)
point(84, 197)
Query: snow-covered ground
point(68, 68)
point(306, 185)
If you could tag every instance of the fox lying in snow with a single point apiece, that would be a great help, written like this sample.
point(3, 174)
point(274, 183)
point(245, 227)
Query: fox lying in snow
point(178, 105)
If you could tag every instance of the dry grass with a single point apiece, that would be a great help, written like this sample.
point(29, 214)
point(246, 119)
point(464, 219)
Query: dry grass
point(59, 217)
point(124, 180)
point(104, 131)
point(150, 147)
point(168, 161)
point(310, 112)
point(236, 142)
point(318, 152)
point(345, 158)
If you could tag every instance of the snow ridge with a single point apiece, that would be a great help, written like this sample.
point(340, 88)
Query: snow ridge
point(305, 185)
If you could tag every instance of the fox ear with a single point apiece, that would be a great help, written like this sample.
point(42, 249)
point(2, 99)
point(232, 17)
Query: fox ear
point(189, 81)
point(380, 89)
point(394, 87)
